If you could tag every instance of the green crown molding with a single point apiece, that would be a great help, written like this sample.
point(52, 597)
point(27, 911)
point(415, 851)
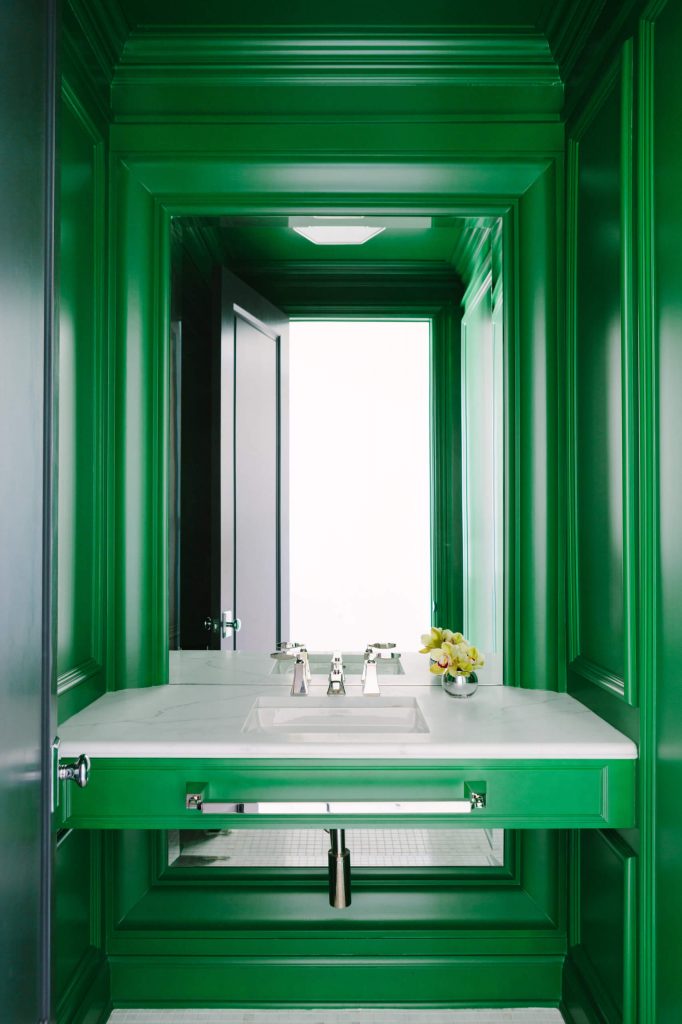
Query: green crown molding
point(105, 28)
point(215, 73)
point(568, 25)
point(193, 47)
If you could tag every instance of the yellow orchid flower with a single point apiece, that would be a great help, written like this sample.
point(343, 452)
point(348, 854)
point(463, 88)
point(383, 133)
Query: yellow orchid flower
point(431, 640)
point(450, 652)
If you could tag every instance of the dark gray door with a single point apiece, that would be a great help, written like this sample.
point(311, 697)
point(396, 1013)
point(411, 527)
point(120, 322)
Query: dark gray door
point(253, 467)
point(27, 92)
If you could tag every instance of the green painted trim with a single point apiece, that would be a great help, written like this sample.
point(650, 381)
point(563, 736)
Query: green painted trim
point(185, 48)
point(219, 981)
point(105, 29)
point(539, 607)
point(511, 672)
point(629, 384)
point(648, 509)
point(87, 1000)
point(568, 25)
point(189, 71)
point(594, 673)
point(573, 603)
point(447, 570)
point(86, 681)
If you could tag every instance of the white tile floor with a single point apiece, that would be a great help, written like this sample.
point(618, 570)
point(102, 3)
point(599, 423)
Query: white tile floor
point(517, 1016)
point(308, 848)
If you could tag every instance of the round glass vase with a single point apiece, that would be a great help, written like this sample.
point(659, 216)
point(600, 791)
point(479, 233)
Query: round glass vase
point(459, 685)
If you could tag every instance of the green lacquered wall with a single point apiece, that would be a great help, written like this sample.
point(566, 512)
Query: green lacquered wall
point(623, 506)
point(603, 423)
point(295, 136)
point(187, 147)
point(81, 977)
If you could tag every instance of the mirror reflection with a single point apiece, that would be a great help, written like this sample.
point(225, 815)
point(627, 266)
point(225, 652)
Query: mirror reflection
point(336, 439)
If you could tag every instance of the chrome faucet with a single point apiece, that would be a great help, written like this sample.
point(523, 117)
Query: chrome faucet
point(369, 678)
point(298, 653)
point(337, 677)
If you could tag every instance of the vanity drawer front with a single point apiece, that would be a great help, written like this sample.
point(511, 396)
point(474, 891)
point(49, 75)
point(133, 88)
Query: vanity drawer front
point(137, 793)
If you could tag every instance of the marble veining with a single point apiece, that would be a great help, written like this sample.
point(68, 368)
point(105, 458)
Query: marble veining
point(200, 720)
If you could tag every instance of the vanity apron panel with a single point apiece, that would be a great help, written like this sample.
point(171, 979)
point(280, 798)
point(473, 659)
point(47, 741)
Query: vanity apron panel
point(159, 794)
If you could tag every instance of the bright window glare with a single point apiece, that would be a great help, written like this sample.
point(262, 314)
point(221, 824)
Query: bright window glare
point(359, 483)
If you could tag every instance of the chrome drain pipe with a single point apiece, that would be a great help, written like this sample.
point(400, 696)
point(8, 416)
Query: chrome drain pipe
point(339, 869)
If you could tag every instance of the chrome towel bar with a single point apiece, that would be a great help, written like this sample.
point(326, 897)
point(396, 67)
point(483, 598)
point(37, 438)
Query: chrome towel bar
point(344, 808)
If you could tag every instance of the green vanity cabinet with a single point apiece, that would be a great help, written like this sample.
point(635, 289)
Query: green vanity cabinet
point(146, 793)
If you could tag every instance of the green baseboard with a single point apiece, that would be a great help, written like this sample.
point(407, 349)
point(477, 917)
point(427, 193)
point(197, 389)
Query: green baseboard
point(249, 982)
point(87, 1000)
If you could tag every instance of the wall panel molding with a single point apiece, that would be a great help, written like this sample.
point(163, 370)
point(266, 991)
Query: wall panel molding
point(81, 608)
point(602, 976)
point(617, 81)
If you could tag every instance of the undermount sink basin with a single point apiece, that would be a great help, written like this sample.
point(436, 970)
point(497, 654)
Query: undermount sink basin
point(337, 718)
point(320, 664)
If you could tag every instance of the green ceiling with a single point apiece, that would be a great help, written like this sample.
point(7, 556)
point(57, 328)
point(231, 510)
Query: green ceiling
point(266, 241)
point(266, 247)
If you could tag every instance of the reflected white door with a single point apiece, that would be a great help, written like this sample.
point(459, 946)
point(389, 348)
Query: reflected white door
point(253, 467)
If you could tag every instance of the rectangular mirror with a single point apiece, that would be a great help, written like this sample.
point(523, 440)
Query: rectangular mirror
point(336, 432)
point(370, 848)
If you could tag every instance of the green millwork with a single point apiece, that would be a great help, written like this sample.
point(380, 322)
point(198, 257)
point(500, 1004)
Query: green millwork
point(625, 102)
point(440, 114)
point(141, 793)
point(81, 562)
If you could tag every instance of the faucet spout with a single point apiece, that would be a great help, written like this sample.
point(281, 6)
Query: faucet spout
point(337, 676)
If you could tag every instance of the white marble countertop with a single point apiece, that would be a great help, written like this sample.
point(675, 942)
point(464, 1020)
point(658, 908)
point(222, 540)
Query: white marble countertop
point(203, 719)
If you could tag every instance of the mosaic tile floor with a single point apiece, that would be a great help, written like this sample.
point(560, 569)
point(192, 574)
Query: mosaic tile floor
point(517, 1016)
point(308, 848)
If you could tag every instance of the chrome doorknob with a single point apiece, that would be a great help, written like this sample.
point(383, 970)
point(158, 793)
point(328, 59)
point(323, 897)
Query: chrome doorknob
point(77, 771)
point(222, 625)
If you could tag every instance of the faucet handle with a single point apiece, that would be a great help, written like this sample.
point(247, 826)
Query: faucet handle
point(385, 651)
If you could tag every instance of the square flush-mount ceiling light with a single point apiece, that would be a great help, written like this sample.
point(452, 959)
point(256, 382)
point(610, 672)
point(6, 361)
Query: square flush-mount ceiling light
point(351, 230)
point(335, 230)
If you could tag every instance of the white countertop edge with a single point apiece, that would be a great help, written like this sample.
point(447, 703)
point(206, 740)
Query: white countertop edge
point(150, 750)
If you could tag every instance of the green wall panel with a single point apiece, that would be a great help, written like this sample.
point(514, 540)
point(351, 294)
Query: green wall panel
point(605, 956)
point(80, 614)
point(598, 391)
point(533, 569)
point(73, 882)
